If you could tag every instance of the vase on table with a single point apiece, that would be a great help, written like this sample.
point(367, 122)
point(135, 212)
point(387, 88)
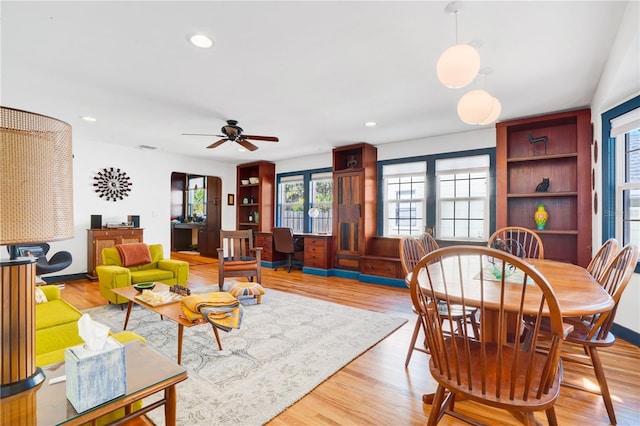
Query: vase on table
point(541, 216)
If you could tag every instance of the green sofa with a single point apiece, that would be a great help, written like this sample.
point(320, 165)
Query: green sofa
point(111, 274)
point(57, 329)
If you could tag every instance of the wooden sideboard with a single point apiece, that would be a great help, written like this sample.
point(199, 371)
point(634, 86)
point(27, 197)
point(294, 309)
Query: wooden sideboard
point(98, 239)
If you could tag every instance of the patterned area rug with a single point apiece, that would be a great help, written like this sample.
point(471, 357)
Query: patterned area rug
point(285, 347)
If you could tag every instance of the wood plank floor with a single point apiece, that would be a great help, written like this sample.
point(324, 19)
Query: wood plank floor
point(376, 389)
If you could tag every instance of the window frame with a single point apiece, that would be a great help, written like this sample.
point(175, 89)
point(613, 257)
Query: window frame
point(306, 175)
point(610, 165)
point(422, 201)
point(431, 182)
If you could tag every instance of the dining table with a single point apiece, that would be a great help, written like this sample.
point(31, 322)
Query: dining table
point(577, 291)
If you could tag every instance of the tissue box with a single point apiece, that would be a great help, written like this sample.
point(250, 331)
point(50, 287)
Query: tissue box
point(95, 377)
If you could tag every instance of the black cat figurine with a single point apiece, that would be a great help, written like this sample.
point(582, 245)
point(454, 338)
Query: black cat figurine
point(543, 186)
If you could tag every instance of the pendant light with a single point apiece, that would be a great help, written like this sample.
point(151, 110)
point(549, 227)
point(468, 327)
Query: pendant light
point(478, 106)
point(459, 64)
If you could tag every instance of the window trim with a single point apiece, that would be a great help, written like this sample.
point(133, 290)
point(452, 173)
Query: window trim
point(431, 182)
point(609, 168)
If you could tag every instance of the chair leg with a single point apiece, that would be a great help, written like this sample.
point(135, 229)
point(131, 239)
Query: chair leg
point(289, 262)
point(215, 331)
point(551, 416)
point(416, 330)
point(602, 381)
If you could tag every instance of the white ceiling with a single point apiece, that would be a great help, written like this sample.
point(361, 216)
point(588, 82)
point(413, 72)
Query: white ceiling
point(310, 73)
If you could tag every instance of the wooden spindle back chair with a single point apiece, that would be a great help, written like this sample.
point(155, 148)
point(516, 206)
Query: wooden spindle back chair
point(494, 368)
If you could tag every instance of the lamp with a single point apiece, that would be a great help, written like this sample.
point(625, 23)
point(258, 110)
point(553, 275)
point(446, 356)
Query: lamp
point(459, 64)
point(36, 193)
point(478, 106)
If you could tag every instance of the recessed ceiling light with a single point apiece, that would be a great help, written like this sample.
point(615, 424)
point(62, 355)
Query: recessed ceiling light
point(370, 124)
point(200, 40)
point(87, 118)
point(242, 150)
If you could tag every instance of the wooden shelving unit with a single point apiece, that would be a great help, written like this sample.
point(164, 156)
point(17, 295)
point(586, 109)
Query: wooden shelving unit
point(566, 161)
point(354, 202)
point(260, 196)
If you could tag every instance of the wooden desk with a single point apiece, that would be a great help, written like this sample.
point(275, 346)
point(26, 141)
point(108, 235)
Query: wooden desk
point(148, 372)
point(578, 293)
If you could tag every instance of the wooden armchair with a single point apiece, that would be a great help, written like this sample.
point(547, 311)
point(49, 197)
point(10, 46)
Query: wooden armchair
point(242, 259)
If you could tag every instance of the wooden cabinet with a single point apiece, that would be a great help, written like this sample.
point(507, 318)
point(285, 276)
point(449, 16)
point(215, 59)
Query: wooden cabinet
point(317, 251)
point(255, 200)
point(382, 258)
point(524, 158)
point(98, 239)
point(354, 202)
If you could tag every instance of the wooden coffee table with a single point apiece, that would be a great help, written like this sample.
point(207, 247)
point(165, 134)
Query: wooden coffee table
point(171, 310)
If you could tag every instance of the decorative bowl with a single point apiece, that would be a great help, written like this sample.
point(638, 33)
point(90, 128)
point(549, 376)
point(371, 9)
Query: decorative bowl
point(244, 181)
point(144, 286)
point(253, 180)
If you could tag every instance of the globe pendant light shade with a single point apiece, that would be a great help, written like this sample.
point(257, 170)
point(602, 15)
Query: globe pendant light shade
point(458, 66)
point(495, 112)
point(475, 106)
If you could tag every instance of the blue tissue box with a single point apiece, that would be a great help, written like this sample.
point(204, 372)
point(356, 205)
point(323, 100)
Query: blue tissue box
point(95, 377)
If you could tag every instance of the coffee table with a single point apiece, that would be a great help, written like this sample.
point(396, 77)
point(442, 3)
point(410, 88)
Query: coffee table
point(148, 372)
point(171, 310)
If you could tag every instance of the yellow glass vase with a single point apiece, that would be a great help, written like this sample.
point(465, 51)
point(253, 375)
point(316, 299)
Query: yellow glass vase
point(541, 216)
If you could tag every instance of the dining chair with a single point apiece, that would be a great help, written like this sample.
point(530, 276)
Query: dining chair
point(284, 242)
point(598, 264)
point(594, 331)
point(519, 241)
point(490, 369)
point(411, 251)
point(428, 242)
point(242, 259)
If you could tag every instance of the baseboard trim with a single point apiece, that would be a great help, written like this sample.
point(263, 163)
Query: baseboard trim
point(61, 278)
point(626, 334)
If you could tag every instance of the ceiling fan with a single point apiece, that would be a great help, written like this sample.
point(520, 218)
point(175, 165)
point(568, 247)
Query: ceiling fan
point(232, 132)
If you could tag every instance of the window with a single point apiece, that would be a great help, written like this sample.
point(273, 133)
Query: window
point(446, 194)
point(404, 198)
point(305, 201)
point(196, 198)
point(291, 207)
point(621, 173)
point(626, 130)
point(463, 198)
point(322, 201)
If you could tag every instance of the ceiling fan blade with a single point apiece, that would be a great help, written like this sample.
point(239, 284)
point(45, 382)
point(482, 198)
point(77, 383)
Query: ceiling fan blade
point(202, 134)
point(261, 138)
point(246, 144)
point(217, 144)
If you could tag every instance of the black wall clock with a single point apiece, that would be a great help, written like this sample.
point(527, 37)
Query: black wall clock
point(112, 184)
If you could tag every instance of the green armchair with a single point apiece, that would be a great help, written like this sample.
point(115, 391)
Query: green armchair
point(112, 273)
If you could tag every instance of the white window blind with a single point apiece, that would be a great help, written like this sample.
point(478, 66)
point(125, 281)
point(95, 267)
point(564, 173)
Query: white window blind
point(625, 123)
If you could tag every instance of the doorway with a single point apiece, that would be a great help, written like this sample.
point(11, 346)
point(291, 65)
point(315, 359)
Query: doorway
point(196, 212)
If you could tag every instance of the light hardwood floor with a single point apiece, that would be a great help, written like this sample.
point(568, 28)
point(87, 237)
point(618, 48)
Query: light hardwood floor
point(376, 389)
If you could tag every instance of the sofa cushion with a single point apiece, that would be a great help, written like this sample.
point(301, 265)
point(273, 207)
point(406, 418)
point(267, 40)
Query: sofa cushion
point(55, 312)
point(58, 337)
point(142, 276)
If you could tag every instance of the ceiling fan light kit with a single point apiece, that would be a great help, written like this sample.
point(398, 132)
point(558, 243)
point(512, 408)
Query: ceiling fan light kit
point(457, 67)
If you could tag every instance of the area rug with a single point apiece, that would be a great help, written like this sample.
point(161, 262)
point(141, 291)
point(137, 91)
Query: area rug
point(286, 346)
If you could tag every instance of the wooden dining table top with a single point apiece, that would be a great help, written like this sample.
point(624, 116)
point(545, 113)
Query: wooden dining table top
point(578, 293)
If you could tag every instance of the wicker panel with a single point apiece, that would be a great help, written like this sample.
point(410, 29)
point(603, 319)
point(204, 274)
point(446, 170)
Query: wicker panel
point(36, 178)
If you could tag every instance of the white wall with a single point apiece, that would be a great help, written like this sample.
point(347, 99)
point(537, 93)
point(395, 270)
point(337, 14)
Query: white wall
point(150, 173)
point(619, 82)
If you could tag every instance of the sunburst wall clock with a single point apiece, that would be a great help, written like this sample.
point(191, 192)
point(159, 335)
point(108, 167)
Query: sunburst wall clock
point(112, 184)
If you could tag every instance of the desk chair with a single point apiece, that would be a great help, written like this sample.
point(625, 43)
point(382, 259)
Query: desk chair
point(497, 372)
point(285, 243)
